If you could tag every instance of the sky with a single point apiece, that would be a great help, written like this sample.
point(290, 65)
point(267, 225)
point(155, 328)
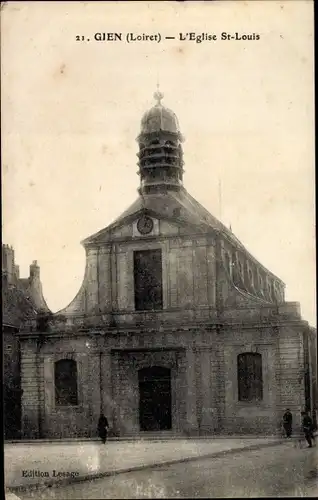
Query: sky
point(71, 112)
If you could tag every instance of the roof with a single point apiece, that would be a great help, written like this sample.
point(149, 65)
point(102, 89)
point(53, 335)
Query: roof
point(159, 118)
point(16, 307)
point(189, 211)
point(34, 294)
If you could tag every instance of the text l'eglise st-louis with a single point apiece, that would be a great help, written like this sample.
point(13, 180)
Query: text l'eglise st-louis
point(210, 37)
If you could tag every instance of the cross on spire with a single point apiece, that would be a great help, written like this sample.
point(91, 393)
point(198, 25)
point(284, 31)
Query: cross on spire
point(158, 95)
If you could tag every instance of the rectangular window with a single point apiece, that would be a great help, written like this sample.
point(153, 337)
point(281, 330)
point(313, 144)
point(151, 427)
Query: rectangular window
point(148, 280)
point(250, 379)
point(66, 382)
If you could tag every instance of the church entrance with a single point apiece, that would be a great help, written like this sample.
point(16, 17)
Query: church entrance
point(154, 398)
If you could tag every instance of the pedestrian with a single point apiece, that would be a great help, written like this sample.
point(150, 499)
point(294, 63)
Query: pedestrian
point(307, 428)
point(288, 423)
point(102, 428)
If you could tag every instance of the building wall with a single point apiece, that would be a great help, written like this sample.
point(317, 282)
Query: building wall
point(310, 368)
point(203, 364)
point(290, 371)
point(241, 416)
point(312, 347)
point(11, 365)
point(32, 386)
point(125, 367)
point(11, 383)
point(197, 290)
point(71, 421)
point(188, 274)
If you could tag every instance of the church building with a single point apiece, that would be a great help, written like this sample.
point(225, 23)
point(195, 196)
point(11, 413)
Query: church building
point(176, 330)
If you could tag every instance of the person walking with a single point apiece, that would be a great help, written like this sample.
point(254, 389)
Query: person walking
point(102, 428)
point(288, 423)
point(307, 428)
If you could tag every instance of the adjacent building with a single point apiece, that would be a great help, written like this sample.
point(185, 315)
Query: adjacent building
point(176, 328)
point(22, 301)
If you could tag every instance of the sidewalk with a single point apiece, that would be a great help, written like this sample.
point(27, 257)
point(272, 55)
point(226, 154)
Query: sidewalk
point(28, 464)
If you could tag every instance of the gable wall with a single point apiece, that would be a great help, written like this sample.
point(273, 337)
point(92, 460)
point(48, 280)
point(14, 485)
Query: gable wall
point(188, 272)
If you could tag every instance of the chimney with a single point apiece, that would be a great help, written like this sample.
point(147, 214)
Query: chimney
point(34, 271)
point(17, 271)
point(8, 266)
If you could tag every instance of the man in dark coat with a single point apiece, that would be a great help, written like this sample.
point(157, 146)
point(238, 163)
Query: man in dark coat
point(307, 428)
point(288, 422)
point(102, 427)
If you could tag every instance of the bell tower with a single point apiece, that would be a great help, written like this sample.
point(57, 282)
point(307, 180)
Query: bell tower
point(160, 150)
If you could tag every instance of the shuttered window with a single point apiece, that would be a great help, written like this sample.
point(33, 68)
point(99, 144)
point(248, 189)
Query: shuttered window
point(250, 377)
point(148, 280)
point(66, 382)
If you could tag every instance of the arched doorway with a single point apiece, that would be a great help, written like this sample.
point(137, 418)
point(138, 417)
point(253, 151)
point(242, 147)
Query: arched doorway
point(154, 398)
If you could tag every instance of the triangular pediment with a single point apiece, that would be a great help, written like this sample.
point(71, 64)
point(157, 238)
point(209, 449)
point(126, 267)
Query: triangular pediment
point(127, 227)
point(178, 209)
point(173, 213)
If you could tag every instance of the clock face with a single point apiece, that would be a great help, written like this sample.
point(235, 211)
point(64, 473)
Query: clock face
point(145, 225)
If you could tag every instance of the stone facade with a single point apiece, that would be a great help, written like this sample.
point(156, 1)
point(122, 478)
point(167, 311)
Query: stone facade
point(218, 302)
point(203, 378)
point(22, 299)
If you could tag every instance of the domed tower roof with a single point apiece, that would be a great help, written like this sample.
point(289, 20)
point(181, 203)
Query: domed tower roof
point(159, 118)
point(160, 151)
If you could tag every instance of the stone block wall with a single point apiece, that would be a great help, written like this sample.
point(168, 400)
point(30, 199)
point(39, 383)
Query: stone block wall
point(249, 417)
point(31, 386)
point(68, 421)
point(188, 275)
point(125, 390)
point(290, 371)
point(203, 365)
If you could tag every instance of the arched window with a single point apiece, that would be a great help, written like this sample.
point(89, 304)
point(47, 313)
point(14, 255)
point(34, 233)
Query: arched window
point(66, 382)
point(250, 377)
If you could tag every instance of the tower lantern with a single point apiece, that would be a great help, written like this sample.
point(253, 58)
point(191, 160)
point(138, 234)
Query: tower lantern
point(160, 151)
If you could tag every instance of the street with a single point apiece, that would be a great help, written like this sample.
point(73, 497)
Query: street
point(283, 470)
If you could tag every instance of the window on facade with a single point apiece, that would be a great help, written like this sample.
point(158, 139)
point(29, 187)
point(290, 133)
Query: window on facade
point(66, 382)
point(148, 280)
point(241, 268)
point(250, 378)
point(227, 262)
point(250, 276)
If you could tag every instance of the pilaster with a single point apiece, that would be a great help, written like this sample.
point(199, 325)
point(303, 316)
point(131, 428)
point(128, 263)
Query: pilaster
point(115, 385)
point(92, 280)
point(30, 384)
point(205, 382)
point(191, 393)
point(106, 386)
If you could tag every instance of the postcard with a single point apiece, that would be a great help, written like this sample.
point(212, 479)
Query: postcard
point(158, 257)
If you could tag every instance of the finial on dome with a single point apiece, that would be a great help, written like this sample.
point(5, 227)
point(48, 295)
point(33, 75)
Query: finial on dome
point(158, 95)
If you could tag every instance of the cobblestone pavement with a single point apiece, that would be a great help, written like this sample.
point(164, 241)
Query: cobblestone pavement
point(276, 471)
point(33, 463)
